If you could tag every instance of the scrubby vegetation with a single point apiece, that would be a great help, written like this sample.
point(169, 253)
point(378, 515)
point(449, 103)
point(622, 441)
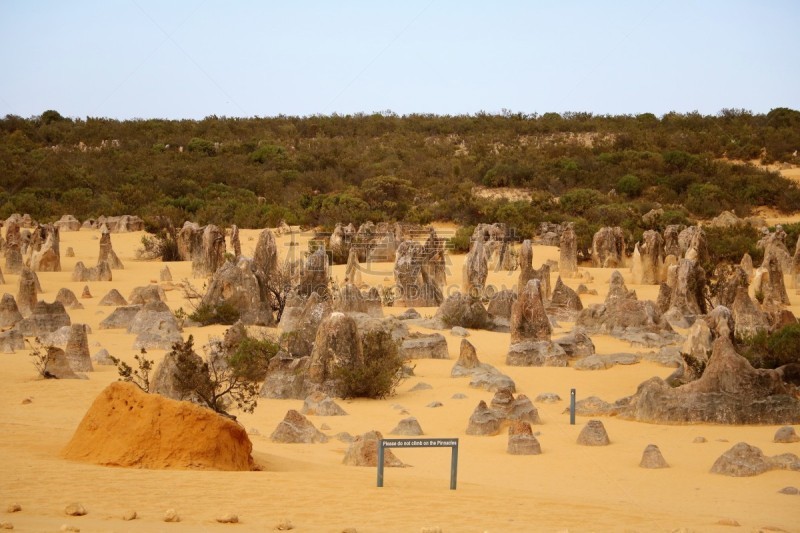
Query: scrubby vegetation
point(40, 355)
point(318, 170)
point(728, 245)
point(223, 313)
point(139, 376)
point(379, 374)
point(461, 241)
point(771, 350)
point(221, 380)
point(251, 357)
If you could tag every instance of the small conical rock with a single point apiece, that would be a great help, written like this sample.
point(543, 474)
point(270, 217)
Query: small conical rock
point(593, 434)
point(652, 458)
point(521, 440)
point(408, 426)
point(483, 421)
point(320, 404)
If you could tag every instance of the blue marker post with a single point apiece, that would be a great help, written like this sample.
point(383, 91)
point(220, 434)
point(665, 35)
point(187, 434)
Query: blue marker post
point(572, 407)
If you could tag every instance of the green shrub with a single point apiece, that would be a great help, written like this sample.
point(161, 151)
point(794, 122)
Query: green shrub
point(630, 185)
point(251, 357)
point(223, 313)
point(678, 160)
point(579, 201)
point(706, 199)
point(473, 317)
point(772, 350)
point(201, 146)
point(460, 242)
point(270, 154)
point(584, 233)
point(784, 346)
point(728, 245)
point(792, 234)
point(380, 372)
point(675, 216)
point(169, 249)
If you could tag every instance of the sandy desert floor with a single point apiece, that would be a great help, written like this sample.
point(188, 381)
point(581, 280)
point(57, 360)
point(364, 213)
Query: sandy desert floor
point(567, 487)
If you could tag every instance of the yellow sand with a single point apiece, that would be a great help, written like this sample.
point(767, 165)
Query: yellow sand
point(566, 487)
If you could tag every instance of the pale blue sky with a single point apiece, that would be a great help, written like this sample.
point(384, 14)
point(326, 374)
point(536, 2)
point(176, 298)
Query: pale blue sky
point(176, 59)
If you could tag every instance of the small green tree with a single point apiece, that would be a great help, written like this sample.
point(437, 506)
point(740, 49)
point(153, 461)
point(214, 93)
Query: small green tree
point(460, 242)
point(251, 356)
point(202, 146)
point(40, 356)
point(218, 382)
point(629, 185)
point(579, 201)
point(389, 194)
point(271, 155)
point(706, 199)
point(139, 377)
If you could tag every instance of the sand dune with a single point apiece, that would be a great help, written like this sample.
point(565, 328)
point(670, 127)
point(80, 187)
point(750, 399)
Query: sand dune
point(566, 487)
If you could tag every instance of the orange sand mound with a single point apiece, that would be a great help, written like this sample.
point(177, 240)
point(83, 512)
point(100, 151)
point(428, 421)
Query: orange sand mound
point(127, 427)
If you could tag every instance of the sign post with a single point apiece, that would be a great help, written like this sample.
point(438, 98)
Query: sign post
point(421, 443)
point(572, 407)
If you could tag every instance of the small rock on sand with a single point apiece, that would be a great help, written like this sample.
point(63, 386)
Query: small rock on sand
point(408, 426)
point(593, 434)
point(652, 458)
point(792, 491)
point(130, 515)
point(171, 516)
point(284, 525)
point(458, 331)
point(343, 437)
point(228, 518)
point(75, 509)
point(14, 508)
point(786, 434)
point(6, 525)
point(547, 397)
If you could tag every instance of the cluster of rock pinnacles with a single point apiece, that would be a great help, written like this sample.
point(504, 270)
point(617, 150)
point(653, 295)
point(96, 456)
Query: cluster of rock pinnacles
point(324, 326)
